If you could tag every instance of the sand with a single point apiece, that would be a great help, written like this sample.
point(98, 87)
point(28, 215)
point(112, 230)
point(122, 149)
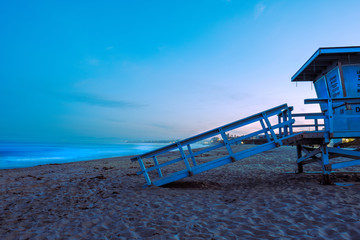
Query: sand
point(251, 199)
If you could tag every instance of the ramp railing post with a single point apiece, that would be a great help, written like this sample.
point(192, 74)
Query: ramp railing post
point(316, 125)
point(284, 114)
point(289, 109)
point(143, 168)
point(279, 122)
point(184, 157)
point(273, 135)
point(266, 130)
point(226, 142)
point(157, 164)
point(192, 155)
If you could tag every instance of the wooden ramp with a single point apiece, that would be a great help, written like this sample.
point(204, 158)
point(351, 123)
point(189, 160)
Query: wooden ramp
point(312, 146)
point(274, 135)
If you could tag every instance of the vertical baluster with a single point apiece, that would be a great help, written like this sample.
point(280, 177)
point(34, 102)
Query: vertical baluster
point(191, 155)
point(227, 144)
point(156, 165)
point(279, 121)
point(285, 120)
point(143, 168)
point(184, 157)
point(290, 120)
point(316, 125)
point(270, 128)
point(266, 131)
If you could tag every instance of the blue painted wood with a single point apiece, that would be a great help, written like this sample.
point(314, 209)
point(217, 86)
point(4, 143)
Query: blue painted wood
point(198, 168)
point(325, 159)
point(214, 164)
point(284, 115)
point(226, 142)
point(208, 149)
point(290, 119)
point(344, 152)
point(318, 54)
point(345, 164)
point(350, 100)
point(268, 125)
point(265, 129)
point(238, 156)
point(191, 155)
point(239, 139)
point(317, 125)
point(309, 125)
point(142, 166)
point(280, 129)
point(161, 165)
point(189, 171)
point(172, 178)
point(156, 163)
point(285, 127)
point(184, 157)
point(283, 124)
point(308, 156)
point(309, 115)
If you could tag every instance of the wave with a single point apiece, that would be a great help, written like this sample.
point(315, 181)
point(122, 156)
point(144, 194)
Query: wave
point(18, 155)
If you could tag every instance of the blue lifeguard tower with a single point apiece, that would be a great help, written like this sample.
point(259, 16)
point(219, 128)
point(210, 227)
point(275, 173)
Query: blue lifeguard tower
point(335, 73)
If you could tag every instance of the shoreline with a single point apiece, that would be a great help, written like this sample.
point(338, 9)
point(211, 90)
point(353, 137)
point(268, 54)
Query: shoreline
point(104, 199)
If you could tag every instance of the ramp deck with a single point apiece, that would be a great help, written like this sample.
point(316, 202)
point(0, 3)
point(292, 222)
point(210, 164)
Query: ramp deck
point(191, 167)
point(276, 134)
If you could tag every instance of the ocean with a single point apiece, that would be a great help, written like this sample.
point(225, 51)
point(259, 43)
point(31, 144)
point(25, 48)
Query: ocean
point(19, 155)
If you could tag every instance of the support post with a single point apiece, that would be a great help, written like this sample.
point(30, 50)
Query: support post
point(325, 165)
point(299, 155)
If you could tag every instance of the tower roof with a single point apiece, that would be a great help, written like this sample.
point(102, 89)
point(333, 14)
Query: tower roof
point(323, 59)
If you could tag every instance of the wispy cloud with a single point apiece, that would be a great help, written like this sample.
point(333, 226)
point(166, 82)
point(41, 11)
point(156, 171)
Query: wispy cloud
point(101, 102)
point(93, 61)
point(160, 125)
point(259, 9)
point(109, 48)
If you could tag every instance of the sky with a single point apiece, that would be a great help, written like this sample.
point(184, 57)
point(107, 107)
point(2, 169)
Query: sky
point(128, 70)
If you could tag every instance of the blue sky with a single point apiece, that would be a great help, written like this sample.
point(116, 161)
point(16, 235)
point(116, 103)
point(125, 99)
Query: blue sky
point(110, 70)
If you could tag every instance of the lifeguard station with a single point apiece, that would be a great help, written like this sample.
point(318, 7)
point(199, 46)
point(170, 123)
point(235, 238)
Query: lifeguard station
point(335, 73)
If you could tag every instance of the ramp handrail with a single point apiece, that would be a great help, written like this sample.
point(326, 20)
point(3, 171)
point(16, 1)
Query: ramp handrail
point(268, 130)
point(310, 116)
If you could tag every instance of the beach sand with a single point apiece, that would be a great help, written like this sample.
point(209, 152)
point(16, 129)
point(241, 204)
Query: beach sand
point(251, 199)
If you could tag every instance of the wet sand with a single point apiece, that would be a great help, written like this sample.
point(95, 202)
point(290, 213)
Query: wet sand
point(251, 199)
